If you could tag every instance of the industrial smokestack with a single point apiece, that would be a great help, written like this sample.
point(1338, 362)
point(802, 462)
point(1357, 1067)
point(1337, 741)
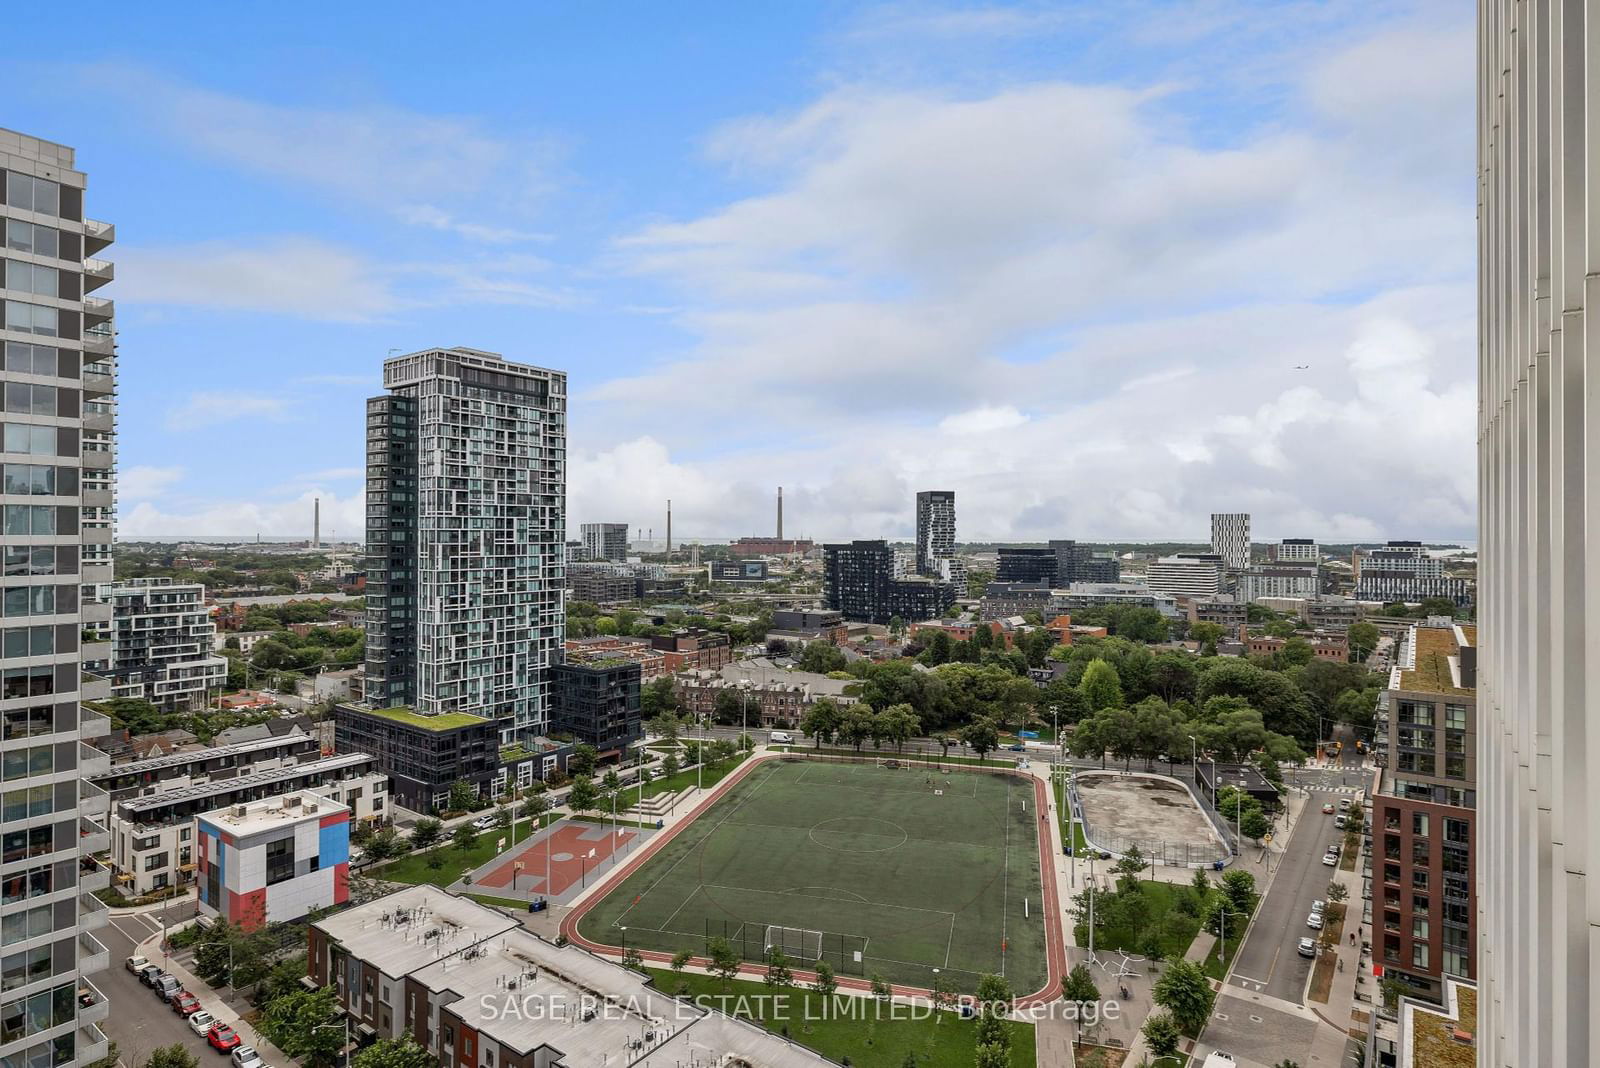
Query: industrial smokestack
point(669, 528)
point(316, 522)
point(780, 513)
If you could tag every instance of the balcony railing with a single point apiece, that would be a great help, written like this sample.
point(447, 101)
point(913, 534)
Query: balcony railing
point(93, 913)
point(92, 761)
point(93, 1006)
point(93, 875)
point(92, 725)
point(93, 956)
point(97, 235)
point(93, 801)
point(92, 837)
point(91, 1044)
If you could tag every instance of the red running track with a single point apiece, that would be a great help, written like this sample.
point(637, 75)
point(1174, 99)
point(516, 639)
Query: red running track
point(566, 841)
point(1055, 944)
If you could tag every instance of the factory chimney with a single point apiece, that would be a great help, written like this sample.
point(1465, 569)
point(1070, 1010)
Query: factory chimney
point(669, 529)
point(780, 513)
point(316, 522)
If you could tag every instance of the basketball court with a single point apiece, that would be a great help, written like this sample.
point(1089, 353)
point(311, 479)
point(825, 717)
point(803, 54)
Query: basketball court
point(557, 863)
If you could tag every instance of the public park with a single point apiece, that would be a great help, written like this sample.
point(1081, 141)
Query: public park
point(878, 868)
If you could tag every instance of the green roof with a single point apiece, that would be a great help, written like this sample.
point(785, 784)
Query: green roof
point(443, 722)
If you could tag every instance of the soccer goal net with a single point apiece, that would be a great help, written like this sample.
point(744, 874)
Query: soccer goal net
point(797, 942)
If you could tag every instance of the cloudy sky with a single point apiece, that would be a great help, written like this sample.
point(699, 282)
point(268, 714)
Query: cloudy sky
point(1100, 268)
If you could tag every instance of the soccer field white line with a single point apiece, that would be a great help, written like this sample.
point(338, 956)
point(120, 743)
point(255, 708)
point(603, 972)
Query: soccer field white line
point(646, 892)
point(821, 897)
point(801, 781)
point(941, 842)
point(1005, 881)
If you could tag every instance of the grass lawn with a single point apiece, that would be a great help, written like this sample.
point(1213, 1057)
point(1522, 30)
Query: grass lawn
point(415, 868)
point(1214, 966)
point(500, 902)
point(1079, 842)
point(1352, 849)
point(942, 1041)
point(1177, 928)
point(683, 780)
point(891, 871)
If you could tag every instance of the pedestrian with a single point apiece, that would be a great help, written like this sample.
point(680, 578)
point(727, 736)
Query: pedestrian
point(1352, 938)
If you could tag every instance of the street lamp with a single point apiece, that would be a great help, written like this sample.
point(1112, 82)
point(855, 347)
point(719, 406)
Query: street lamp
point(1222, 926)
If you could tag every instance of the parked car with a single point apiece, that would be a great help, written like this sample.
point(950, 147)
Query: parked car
point(149, 974)
point(246, 1057)
point(1314, 921)
point(780, 738)
point(1319, 906)
point(1327, 810)
point(483, 823)
point(1306, 948)
point(184, 1003)
point(165, 987)
point(1339, 822)
point(1017, 748)
point(1330, 859)
point(135, 964)
point(1344, 804)
point(201, 1022)
point(222, 1037)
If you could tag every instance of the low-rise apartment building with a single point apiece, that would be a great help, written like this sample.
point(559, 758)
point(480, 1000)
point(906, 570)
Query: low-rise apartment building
point(1330, 647)
point(153, 833)
point(693, 649)
point(173, 771)
point(442, 969)
point(652, 661)
point(769, 696)
point(1423, 877)
point(598, 704)
point(798, 626)
point(160, 635)
point(273, 860)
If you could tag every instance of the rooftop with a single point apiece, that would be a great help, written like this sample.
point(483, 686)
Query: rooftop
point(253, 817)
point(141, 808)
point(413, 928)
point(410, 717)
point(1430, 669)
point(171, 760)
point(1433, 1042)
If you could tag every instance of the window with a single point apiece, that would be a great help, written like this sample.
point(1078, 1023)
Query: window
point(30, 519)
point(26, 438)
point(27, 641)
point(33, 194)
point(1455, 767)
point(32, 318)
point(1419, 851)
point(37, 479)
point(23, 399)
point(30, 359)
point(32, 278)
point(1455, 717)
point(27, 682)
point(1419, 880)
point(19, 601)
point(29, 560)
point(1458, 831)
point(20, 763)
point(31, 237)
point(27, 723)
point(28, 802)
point(1419, 954)
point(280, 861)
point(1419, 824)
point(155, 861)
point(1419, 902)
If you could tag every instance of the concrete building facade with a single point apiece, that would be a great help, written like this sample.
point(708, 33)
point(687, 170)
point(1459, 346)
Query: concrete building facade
point(274, 860)
point(936, 532)
point(58, 382)
point(1196, 575)
point(1230, 539)
point(1538, 535)
point(161, 643)
point(605, 541)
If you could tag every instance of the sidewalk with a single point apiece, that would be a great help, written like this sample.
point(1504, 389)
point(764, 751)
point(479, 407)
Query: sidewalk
point(215, 1003)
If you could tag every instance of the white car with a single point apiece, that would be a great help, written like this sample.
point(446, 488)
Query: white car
point(483, 823)
point(200, 1023)
point(780, 738)
point(1330, 859)
point(134, 964)
point(1319, 906)
point(1306, 948)
point(1314, 921)
point(246, 1057)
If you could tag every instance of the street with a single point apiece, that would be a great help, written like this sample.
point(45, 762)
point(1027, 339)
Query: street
point(1268, 962)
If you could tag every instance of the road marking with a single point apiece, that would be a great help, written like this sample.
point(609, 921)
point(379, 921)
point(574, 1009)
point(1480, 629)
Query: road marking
point(1247, 978)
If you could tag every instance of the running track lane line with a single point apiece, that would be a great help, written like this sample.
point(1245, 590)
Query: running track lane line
point(1055, 947)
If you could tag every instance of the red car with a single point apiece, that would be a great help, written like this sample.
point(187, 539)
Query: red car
point(222, 1037)
point(185, 1003)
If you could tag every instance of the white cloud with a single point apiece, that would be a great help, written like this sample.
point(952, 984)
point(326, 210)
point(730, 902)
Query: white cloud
point(143, 482)
point(208, 408)
point(289, 276)
point(917, 263)
point(432, 217)
point(342, 517)
point(983, 420)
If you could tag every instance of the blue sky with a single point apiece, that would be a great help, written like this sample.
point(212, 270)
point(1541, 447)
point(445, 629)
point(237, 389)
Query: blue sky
point(1061, 258)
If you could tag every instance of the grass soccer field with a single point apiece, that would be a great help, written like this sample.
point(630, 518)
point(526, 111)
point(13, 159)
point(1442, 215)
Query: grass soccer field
point(877, 870)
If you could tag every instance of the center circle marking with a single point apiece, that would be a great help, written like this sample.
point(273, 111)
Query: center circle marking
point(853, 825)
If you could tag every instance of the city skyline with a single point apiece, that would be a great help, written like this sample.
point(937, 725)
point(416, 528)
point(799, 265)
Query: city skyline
point(280, 242)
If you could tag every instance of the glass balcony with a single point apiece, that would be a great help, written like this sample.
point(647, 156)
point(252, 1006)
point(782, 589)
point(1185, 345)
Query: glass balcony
point(92, 837)
point(93, 801)
point(91, 761)
point(97, 273)
point(92, 724)
point(96, 236)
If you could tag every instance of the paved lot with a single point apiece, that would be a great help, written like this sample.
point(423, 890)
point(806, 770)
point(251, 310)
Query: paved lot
point(1268, 962)
point(1161, 817)
point(1258, 1033)
point(139, 1023)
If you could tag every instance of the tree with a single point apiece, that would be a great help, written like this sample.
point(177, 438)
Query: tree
point(825, 984)
point(1337, 891)
point(1254, 826)
point(1080, 992)
point(1239, 890)
point(583, 796)
point(301, 1024)
point(856, 725)
point(994, 1002)
point(821, 720)
point(1101, 686)
point(680, 961)
point(502, 817)
point(778, 972)
point(1184, 991)
point(632, 958)
point(401, 1052)
point(1363, 639)
point(1161, 1034)
point(384, 844)
point(465, 837)
point(943, 993)
point(173, 1056)
point(583, 759)
point(899, 724)
point(982, 735)
point(533, 806)
point(991, 1055)
point(463, 796)
point(425, 832)
point(821, 658)
point(728, 706)
point(724, 959)
point(879, 987)
point(664, 726)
